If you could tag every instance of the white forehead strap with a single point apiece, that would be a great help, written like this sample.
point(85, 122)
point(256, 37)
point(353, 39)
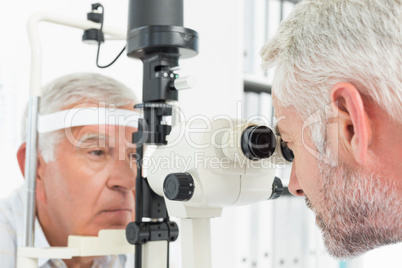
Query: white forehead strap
point(85, 117)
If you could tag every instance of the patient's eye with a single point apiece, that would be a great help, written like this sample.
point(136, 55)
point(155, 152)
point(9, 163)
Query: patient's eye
point(97, 153)
point(133, 156)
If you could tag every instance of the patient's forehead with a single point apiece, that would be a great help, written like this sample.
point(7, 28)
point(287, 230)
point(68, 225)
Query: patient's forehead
point(96, 132)
point(108, 133)
point(85, 103)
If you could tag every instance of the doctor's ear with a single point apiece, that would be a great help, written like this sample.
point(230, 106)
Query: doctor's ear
point(355, 130)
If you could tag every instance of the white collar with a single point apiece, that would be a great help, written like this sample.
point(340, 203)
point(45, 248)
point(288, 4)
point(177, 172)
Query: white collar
point(40, 241)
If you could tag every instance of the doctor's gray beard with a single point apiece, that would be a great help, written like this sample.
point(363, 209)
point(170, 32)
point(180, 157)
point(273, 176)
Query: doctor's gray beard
point(360, 211)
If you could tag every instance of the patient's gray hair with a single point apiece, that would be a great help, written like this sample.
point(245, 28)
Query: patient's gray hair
point(73, 89)
point(324, 42)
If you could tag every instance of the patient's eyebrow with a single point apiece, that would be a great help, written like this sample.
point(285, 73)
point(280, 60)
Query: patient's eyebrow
point(89, 139)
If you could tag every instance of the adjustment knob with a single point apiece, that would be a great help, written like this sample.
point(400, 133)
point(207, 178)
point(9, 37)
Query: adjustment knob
point(137, 233)
point(178, 186)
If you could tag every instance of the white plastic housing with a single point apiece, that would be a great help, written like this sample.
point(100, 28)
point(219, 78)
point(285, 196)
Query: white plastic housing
point(210, 151)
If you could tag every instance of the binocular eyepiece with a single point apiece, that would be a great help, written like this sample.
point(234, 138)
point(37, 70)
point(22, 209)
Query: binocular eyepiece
point(254, 142)
point(258, 142)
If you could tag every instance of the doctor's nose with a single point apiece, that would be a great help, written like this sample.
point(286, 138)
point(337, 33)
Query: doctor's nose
point(294, 187)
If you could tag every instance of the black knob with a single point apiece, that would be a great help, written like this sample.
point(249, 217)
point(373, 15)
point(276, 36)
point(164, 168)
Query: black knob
point(179, 186)
point(277, 188)
point(137, 233)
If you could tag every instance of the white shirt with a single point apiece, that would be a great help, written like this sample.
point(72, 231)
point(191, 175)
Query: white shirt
point(11, 232)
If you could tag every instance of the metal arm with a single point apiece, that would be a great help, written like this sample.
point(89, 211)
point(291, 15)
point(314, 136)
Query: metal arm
point(156, 36)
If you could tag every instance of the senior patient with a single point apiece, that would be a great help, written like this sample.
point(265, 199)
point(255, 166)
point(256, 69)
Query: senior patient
point(337, 95)
point(85, 180)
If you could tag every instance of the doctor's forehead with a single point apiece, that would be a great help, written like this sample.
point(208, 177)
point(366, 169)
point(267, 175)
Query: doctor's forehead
point(286, 117)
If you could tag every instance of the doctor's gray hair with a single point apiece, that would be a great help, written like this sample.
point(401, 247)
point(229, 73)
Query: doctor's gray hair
point(323, 42)
point(70, 90)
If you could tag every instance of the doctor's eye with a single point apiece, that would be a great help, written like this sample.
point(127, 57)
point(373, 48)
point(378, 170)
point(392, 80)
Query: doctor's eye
point(284, 143)
point(286, 151)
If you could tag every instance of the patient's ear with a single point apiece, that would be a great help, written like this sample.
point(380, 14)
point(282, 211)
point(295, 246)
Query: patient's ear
point(21, 157)
point(355, 130)
point(40, 189)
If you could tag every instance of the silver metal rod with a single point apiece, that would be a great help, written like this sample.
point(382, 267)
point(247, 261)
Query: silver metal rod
point(30, 170)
